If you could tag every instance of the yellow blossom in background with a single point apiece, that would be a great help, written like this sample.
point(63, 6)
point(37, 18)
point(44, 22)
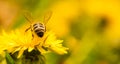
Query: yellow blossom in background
point(108, 9)
point(20, 41)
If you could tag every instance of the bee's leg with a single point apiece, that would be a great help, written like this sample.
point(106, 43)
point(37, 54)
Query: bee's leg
point(45, 48)
point(32, 36)
point(27, 29)
point(45, 28)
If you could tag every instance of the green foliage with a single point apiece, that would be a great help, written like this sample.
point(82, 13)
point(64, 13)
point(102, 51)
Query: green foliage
point(9, 58)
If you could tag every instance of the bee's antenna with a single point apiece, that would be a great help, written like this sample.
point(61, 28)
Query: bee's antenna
point(47, 17)
point(28, 16)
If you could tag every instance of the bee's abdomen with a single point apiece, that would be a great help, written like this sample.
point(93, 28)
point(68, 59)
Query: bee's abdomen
point(38, 25)
point(39, 29)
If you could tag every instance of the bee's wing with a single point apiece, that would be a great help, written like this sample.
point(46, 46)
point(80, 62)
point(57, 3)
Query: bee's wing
point(28, 17)
point(47, 16)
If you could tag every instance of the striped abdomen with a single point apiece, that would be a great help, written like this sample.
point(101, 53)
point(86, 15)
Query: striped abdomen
point(39, 29)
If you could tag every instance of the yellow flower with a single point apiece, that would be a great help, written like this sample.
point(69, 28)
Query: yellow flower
point(108, 9)
point(18, 40)
point(54, 45)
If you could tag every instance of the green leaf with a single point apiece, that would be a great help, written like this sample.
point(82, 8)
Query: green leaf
point(9, 58)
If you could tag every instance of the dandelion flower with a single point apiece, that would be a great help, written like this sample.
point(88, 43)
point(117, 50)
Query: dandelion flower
point(19, 41)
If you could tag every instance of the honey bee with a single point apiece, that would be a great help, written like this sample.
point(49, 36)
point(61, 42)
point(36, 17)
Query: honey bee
point(38, 28)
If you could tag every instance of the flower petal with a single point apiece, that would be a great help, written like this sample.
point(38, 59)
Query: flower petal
point(21, 52)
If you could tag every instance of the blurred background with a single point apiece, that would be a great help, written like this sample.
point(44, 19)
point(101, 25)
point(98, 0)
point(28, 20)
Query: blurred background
point(89, 28)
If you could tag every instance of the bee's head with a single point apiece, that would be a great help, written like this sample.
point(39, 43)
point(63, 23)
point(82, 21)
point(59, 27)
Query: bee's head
point(40, 34)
